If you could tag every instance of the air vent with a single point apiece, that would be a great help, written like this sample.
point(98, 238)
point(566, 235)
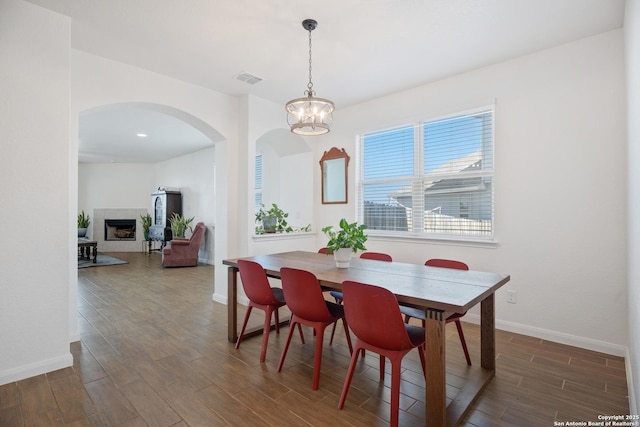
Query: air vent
point(248, 78)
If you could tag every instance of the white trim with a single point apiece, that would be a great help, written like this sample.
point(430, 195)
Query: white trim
point(222, 299)
point(74, 338)
point(555, 336)
point(36, 368)
point(404, 236)
point(283, 236)
point(628, 368)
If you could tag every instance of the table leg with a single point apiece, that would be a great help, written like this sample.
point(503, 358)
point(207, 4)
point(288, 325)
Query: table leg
point(232, 304)
point(436, 385)
point(488, 333)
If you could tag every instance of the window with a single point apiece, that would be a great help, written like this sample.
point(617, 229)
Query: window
point(258, 184)
point(432, 178)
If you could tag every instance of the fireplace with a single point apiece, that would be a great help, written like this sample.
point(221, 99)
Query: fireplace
point(119, 229)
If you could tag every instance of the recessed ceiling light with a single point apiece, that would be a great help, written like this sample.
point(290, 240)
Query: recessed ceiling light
point(141, 135)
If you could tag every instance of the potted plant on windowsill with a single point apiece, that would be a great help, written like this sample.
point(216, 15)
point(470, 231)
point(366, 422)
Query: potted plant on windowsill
point(343, 243)
point(273, 220)
point(83, 224)
point(179, 225)
point(146, 225)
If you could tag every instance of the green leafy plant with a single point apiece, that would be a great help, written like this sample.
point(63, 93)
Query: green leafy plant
point(146, 222)
point(350, 235)
point(274, 220)
point(180, 224)
point(83, 220)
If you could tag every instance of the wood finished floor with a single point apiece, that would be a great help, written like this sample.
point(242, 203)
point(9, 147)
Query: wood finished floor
point(154, 352)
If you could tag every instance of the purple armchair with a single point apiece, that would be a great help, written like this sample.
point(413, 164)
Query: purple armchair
point(184, 252)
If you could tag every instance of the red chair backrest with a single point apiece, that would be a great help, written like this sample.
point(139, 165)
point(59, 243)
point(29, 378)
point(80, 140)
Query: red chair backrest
point(374, 316)
point(198, 232)
point(255, 283)
point(379, 256)
point(447, 263)
point(322, 250)
point(303, 294)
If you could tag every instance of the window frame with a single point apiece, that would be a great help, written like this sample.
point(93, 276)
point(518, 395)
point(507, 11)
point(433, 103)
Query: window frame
point(418, 180)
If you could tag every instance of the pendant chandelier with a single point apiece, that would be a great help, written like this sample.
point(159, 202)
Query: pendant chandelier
point(310, 115)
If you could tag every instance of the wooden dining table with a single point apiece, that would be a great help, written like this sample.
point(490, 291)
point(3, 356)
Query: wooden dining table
point(439, 291)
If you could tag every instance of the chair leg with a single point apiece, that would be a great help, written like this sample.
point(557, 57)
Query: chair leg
point(317, 358)
point(395, 391)
point(349, 377)
point(422, 360)
point(286, 346)
point(382, 363)
point(292, 326)
point(265, 332)
point(463, 342)
point(244, 326)
point(333, 331)
point(347, 334)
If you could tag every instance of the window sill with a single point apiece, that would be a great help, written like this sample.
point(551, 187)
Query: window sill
point(390, 236)
point(283, 236)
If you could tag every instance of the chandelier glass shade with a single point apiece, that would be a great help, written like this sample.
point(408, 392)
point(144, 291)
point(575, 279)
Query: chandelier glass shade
point(310, 115)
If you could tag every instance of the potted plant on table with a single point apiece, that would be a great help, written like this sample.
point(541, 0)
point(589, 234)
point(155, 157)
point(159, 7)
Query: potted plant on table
point(179, 225)
point(83, 224)
point(146, 225)
point(344, 242)
point(274, 220)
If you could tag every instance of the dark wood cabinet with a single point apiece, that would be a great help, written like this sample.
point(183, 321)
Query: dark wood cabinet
point(163, 205)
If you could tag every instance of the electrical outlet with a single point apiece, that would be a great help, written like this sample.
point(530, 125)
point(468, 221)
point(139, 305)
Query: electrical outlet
point(511, 297)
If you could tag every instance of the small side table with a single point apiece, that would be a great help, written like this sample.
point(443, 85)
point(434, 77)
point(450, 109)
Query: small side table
point(87, 249)
point(149, 246)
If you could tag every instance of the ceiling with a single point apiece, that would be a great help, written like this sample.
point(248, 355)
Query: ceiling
point(361, 50)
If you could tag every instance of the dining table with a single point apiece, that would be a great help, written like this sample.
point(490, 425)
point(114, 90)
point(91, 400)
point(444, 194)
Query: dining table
point(440, 292)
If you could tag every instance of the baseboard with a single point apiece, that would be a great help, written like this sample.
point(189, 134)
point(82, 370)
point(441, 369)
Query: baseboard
point(633, 407)
point(555, 336)
point(222, 299)
point(37, 368)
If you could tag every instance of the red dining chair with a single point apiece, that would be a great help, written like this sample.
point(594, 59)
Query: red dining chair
point(374, 317)
point(410, 312)
point(322, 250)
point(262, 296)
point(378, 256)
point(308, 307)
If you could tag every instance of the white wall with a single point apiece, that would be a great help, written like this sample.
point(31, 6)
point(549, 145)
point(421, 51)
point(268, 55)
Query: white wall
point(194, 174)
point(114, 186)
point(34, 283)
point(560, 185)
point(632, 45)
point(98, 81)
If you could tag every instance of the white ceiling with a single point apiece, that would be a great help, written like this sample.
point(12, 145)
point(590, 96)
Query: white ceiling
point(361, 49)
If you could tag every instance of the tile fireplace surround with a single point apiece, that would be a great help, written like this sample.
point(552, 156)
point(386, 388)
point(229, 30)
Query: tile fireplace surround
point(97, 230)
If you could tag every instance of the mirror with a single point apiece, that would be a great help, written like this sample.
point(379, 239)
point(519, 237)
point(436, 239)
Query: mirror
point(334, 164)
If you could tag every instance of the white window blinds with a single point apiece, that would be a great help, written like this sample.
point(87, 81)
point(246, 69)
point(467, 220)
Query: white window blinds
point(432, 177)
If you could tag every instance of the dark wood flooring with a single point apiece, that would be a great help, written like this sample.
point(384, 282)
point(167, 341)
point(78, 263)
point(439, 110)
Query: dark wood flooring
point(154, 352)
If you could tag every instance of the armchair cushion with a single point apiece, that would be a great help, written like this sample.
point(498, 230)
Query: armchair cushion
point(184, 252)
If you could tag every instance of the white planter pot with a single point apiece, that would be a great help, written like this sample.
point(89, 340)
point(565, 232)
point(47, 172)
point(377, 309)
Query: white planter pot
point(343, 257)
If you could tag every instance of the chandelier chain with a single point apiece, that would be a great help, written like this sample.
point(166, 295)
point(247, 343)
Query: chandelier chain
point(310, 84)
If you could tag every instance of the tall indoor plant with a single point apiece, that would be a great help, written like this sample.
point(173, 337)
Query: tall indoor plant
point(179, 225)
point(146, 225)
point(342, 243)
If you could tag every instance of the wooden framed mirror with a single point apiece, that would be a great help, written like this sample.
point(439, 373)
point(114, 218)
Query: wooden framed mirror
point(334, 166)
